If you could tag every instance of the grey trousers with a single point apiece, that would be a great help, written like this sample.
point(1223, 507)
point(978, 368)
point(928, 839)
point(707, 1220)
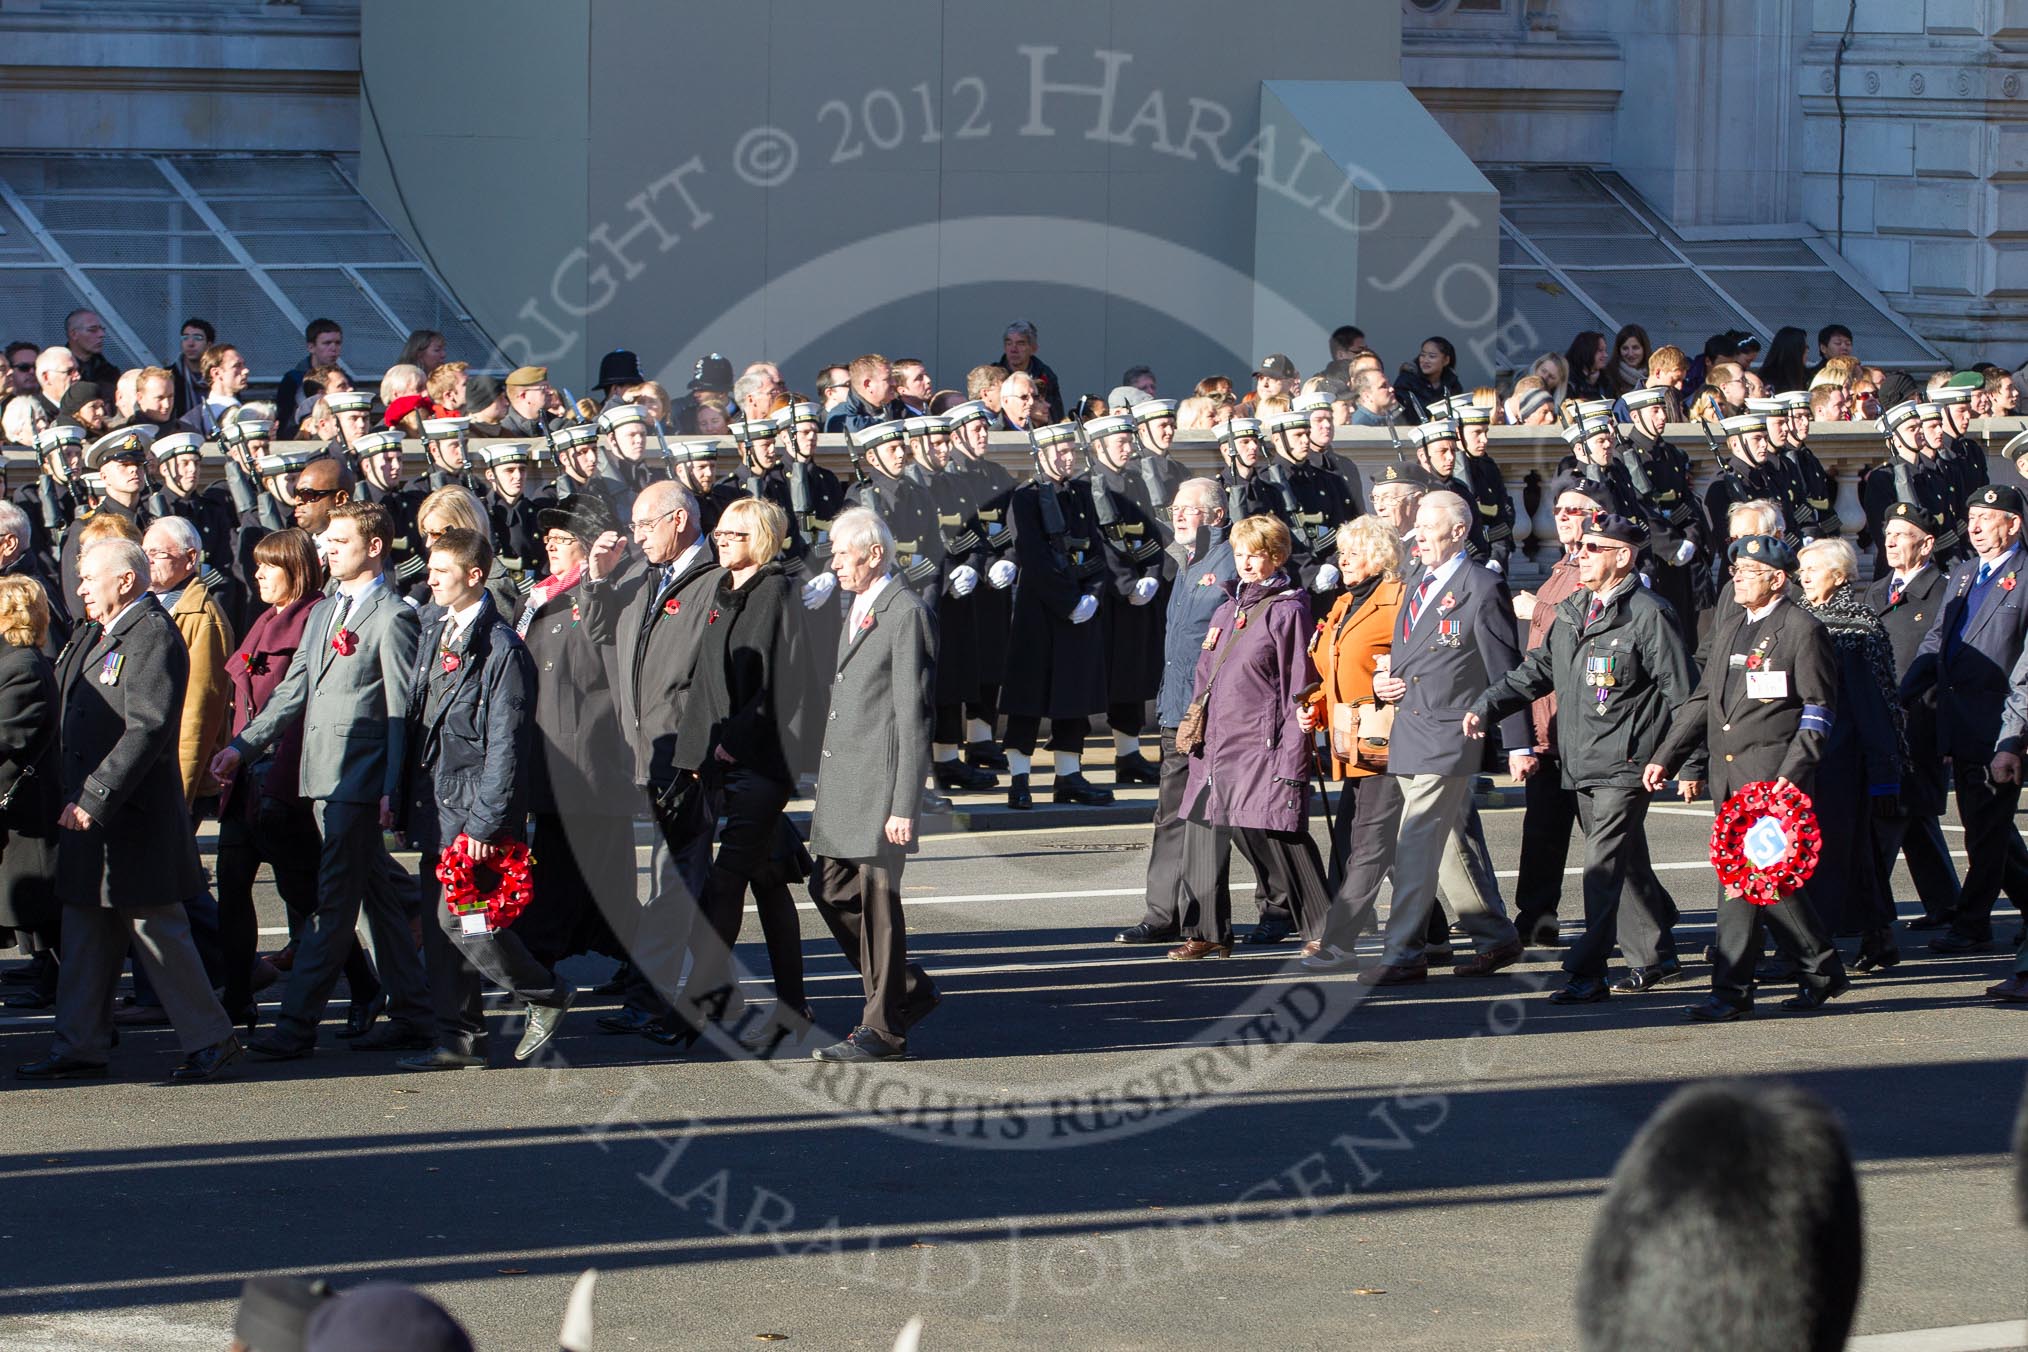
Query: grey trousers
point(95, 944)
point(1433, 809)
point(456, 962)
point(355, 875)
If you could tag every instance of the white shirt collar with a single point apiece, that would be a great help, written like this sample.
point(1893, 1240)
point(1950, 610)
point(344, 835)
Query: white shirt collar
point(461, 620)
point(357, 589)
point(1997, 564)
point(1903, 579)
point(862, 605)
point(681, 563)
point(1756, 616)
point(1441, 575)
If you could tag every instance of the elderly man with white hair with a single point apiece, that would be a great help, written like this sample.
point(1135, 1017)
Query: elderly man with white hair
point(126, 856)
point(175, 553)
point(17, 556)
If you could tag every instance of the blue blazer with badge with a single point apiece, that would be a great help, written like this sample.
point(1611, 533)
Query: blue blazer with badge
point(471, 720)
point(1460, 642)
point(1969, 653)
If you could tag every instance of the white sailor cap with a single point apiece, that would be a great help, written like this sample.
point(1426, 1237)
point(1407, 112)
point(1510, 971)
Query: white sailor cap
point(789, 415)
point(619, 415)
point(373, 443)
point(874, 434)
point(693, 450)
point(1948, 394)
point(443, 429)
point(565, 436)
point(1574, 434)
point(58, 435)
point(1108, 425)
point(242, 430)
point(1741, 423)
point(513, 453)
point(1646, 397)
point(1906, 411)
point(1235, 428)
point(1795, 401)
point(125, 441)
point(925, 424)
point(286, 461)
point(349, 401)
point(1055, 434)
point(1153, 410)
point(175, 444)
point(1437, 429)
point(972, 410)
point(1596, 410)
point(1285, 420)
point(1926, 411)
point(753, 430)
point(1311, 401)
point(1766, 408)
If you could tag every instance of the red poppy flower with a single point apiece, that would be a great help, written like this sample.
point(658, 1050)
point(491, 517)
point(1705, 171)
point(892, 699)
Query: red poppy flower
point(345, 643)
point(671, 606)
point(712, 618)
point(2007, 583)
point(452, 662)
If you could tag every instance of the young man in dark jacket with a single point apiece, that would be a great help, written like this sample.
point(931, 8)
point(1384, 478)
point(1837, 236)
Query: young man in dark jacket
point(470, 716)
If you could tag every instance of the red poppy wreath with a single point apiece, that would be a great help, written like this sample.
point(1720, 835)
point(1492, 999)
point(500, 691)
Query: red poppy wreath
point(500, 887)
point(1765, 842)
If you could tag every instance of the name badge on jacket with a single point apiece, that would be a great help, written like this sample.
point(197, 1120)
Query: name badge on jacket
point(1767, 685)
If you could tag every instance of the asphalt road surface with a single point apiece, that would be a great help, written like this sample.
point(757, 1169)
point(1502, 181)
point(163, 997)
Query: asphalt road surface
point(1095, 1148)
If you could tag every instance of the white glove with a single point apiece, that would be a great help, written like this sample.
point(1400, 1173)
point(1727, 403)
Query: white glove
point(1685, 552)
point(1493, 566)
point(1001, 575)
point(818, 590)
point(1327, 578)
point(1144, 591)
point(1086, 607)
point(963, 578)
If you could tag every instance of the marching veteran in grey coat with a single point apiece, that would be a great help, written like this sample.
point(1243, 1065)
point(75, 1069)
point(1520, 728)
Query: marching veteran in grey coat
point(869, 783)
point(125, 858)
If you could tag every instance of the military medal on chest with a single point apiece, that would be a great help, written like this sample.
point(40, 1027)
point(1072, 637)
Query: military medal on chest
point(1602, 674)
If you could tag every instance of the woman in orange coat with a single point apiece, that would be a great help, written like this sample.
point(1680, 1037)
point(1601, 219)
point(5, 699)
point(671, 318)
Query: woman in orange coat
point(1350, 644)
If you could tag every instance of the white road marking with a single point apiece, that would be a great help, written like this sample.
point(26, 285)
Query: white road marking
point(2001, 1337)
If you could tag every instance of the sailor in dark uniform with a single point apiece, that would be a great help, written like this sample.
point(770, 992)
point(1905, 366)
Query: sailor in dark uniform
point(1056, 655)
point(1478, 478)
point(1809, 488)
point(1679, 534)
point(1440, 457)
point(632, 454)
point(245, 433)
point(1161, 474)
point(1745, 475)
point(1823, 485)
point(1313, 502)
point(810, 494)
point(446, 444)
point(1762, 711)
point(990, 489)
point(120, 460)
point(1908, 595)
point(1910, 477)
point(379, 456)
point(51, 502)
point(693, 462)
point(1246, 492)
point(1142, 572)
point(515, 513)
point(1317, 406)
point(353, 410)
point(1962, 451)
point(179, 458)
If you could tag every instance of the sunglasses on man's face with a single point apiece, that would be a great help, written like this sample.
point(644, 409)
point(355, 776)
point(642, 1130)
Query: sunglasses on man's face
point(25, 367)
point(315, 494)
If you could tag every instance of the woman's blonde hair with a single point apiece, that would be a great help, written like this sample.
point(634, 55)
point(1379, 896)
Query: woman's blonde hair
point(1266, 534)
point(459, 508)
point(106, 526)
point(1838, 553)
point(765, 522)
point(24, 611)
point(1377, 538)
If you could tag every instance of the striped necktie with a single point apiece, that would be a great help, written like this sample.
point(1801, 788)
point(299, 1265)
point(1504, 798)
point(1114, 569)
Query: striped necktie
point(1415, 603)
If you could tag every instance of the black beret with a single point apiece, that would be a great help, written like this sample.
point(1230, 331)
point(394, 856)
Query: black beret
point(1999, 497)
point(1619, 529)
point(1929, 523)
point(1771, 550)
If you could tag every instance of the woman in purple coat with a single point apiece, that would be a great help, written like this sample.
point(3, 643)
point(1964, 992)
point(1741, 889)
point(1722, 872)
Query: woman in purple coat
point(1252, 773)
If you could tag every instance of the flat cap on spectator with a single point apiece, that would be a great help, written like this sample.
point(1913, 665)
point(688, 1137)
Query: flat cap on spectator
point(385, 1317)
point(1125, 396)
point(523, 376)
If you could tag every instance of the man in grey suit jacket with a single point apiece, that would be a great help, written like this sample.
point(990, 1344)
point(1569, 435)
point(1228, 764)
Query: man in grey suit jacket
point(1456, 638)
point(125, 858)
point(869, 782)
point(349, 688)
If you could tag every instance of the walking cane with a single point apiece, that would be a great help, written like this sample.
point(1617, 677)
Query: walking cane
point(1304, 696)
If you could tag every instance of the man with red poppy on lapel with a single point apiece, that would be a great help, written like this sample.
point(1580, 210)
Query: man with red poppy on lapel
point(464, 801)
point(349, 690)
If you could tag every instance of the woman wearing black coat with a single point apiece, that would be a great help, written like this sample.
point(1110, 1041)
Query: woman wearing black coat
point(580, 786)
point(741, 736)
point(29, 913)
point(1431, 377)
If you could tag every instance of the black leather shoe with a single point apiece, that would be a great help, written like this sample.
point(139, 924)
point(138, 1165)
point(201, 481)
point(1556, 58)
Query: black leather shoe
point(272, 1047)
point(1640, 979)
point(1773, 971)
point(672, 1033)
point(1269, 931)
point(360, 1021)
point(30, 999)
point(1929, 922)
point(1816, 997)
point(933, 804)
point(1877, 952)
point(1135, 769)
point(1714, 1010)
point(209, 1063)
point(629, 1020)
point(985, 755)
point(962, 778)
point(1018, 796)
point(863, 1045)
point(61, 1068)
point(1588, 990)
point(442, 1058)
point(1078, 790)
point(1144, 933)
point(542, 1022)
point(1538, 930)
point(616, 984)
point(1958, 943)
point(394, 1038)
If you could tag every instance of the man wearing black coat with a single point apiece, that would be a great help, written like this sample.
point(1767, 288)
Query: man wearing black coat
point(1908, 597)
point(652, 618)
point(471, 720)
point(18, 559)
point(126, 858)
point(1762, 711)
